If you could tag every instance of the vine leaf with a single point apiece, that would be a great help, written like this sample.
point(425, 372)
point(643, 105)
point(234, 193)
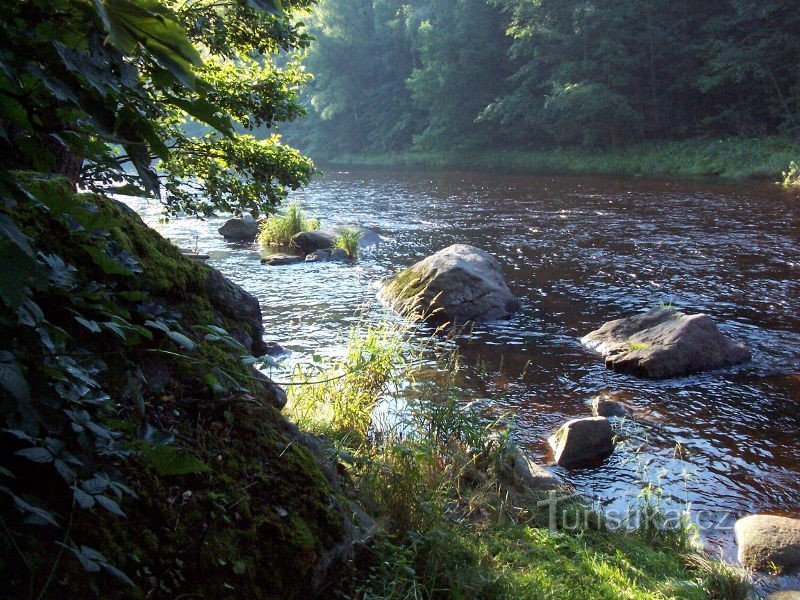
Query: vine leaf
point(11, 378)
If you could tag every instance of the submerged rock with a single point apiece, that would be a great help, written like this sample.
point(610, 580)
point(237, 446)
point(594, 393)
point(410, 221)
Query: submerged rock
point(339, 255)
point(665, 343)
point(769, 543)
point(280, 260)
point(458, 284)
point(583, 442)
point(240, 230)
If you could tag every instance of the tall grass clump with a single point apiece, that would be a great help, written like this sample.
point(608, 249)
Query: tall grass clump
point(454, 518)
point(278, 230)
point(792, 176)
point(347, 240)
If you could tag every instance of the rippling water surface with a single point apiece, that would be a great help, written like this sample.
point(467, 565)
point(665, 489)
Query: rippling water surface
point(579, 252)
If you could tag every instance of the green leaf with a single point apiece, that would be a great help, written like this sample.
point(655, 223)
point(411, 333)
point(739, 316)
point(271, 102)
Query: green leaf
point(170, 461)
point(110, 505)
point(83, 499)
point(182, 341)
point(108, 265)
point(90, 325)
point(204, 111)
point(37, 455)
point(11, 378)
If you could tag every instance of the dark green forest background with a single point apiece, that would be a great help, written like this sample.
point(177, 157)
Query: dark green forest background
point(466, 75)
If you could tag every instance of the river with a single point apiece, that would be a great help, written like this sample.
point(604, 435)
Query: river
point(579, 252)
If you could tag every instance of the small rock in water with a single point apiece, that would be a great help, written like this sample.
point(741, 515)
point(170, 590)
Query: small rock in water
point(583, 442)
point(277, 260)
point(339, 255)
point(240, 230)
point(602, 406)
point(319, 256)
point(516, 469)
point(769, 543)
point(274, 349)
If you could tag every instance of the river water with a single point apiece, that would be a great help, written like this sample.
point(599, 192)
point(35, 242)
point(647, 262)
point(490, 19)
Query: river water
point(579, 252)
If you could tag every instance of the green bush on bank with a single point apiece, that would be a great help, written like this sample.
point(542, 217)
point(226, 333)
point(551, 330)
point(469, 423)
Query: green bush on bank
point(450, 524)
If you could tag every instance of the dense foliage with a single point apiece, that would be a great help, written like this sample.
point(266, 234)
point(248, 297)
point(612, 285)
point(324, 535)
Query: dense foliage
point(392, 75)
point(118, 83)
point(119, 370)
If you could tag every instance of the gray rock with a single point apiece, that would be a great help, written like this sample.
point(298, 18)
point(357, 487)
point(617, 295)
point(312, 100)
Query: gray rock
point(325, 239)
point(235, 304)
point(458, 284)
point(280, 260)
point(339, 255)
point(516, 470)
point(769, 543)
point(309, 241)
point(583, 442)
point(366, 237)
point(319, 256)
point(240, 230)
point(602, 406)
point(274, 349)
point(665, 343)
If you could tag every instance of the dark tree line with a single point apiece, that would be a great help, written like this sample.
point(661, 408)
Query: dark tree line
point(456, 74)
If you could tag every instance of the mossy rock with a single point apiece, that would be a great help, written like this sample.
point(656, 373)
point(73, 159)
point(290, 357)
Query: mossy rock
point(254, 511)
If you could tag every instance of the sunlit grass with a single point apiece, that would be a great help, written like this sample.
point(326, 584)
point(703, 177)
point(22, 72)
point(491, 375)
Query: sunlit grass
point(451, 524)
point(347, 240)
point(278, 230)
point(792, 176)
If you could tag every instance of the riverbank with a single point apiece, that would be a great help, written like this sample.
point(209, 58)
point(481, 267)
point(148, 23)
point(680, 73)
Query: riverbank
point(732, 158)
point(458, 512)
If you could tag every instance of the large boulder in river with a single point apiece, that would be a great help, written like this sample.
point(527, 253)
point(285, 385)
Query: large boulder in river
point(458, 284)
point(583, 442)
point(769, 543)
point(240, 230)
point(665, 343)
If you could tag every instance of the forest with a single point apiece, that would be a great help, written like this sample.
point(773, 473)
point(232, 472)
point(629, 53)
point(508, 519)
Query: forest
point(395, 75)
point(225, 373)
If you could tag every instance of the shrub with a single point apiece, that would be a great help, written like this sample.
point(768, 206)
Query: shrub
point(348, 241)
point(278, 230)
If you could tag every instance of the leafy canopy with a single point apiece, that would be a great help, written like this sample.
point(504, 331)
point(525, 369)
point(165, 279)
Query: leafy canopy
point(124, 82)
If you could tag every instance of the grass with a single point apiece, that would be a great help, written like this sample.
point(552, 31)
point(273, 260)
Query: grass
point(733, 158)
point(347, 240)
point(792, 176)
point(278, 230)
point(633, 346)
point(452, 523)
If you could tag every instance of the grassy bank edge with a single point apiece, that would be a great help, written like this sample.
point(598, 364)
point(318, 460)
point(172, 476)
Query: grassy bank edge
point(732, 158)
point(450, 522)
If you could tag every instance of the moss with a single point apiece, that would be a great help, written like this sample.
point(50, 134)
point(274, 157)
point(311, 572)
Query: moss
point(255, 525)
